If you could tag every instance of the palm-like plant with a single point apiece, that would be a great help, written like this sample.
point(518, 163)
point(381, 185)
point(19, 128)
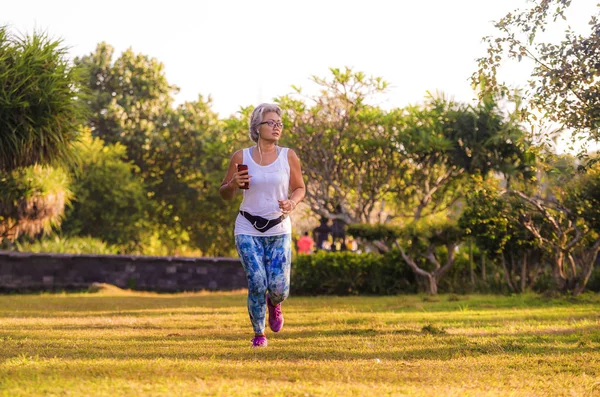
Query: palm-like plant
point(32, 200)
point(39, 111)
point(39, 121)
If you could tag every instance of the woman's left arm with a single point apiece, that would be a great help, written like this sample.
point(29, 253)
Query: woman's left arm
point(297, 186)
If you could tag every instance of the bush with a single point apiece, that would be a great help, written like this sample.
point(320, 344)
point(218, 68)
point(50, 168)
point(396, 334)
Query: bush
point(111, 202)
point(72, 245)
point(346, 273)
point(32, 200)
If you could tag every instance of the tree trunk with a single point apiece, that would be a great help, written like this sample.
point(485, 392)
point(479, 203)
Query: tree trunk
point(558, 273)
point(430, 279)
point(579, 288)
point(588, 268)
point(507, 274)
point(483, 274)
point(471, 270)
point(524, 273)
point(432, 285)
point(535, 267)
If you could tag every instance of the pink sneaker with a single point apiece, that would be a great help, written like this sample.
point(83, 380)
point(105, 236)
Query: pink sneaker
point(259, 341)
point(275, 316)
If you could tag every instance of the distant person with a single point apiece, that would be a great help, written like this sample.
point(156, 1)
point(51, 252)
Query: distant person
point(271, 181)
point(352, 244)
point(305, 244)
point(338, 232)
point(321, 233)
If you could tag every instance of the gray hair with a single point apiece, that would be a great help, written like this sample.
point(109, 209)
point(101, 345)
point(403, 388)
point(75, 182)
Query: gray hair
point(257, 117)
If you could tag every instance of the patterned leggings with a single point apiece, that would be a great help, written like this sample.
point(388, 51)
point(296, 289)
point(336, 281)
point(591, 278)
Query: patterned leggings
point(267, 262)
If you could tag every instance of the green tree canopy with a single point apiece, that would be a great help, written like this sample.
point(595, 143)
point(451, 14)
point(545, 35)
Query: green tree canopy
point(110, 201)
point(563, 86)
point(493, 219)
point(562, 216)
point(129, 98)
point(344, 144)
point(440, 143)
point(443, 142)
point(180, 152)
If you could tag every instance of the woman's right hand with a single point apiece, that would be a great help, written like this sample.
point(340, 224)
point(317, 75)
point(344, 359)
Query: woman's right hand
point(239, 178)
point(233, 179)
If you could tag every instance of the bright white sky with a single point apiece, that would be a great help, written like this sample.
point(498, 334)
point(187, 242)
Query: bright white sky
point(245, 52)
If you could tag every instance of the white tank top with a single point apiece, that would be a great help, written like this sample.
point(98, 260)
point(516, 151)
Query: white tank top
point(269, 183)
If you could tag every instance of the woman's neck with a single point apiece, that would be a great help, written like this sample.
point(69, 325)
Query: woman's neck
point(266, 147)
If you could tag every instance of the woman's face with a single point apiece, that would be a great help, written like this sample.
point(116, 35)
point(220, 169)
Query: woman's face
point(270, 128)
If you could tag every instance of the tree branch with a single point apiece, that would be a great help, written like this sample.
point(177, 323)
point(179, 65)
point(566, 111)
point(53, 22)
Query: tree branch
point(430, 256)
point(411, 262)
point(541, 209)
point(451, 248)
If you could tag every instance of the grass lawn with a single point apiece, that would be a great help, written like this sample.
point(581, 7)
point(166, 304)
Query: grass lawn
point(117, 343)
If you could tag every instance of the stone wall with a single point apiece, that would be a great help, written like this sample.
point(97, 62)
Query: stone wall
point(21, 271)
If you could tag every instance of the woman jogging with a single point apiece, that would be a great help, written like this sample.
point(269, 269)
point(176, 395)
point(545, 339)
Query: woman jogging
point(270, 178)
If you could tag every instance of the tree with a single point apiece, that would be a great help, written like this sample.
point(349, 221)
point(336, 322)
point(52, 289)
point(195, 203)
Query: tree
point(181, 153)
point(39, 120)
point(584, 199)
point(428, 246)
point(563, 86)
point(422, 240)
point(444, 142)
point(493, 220)
point(569, 228)
point(129, 98)
point(344, 145)
point(39, 114)
point(110, 201)
point(187, 172)
point(441, 143)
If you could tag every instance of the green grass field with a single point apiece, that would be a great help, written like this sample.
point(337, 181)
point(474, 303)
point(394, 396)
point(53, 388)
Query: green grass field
point(116, 343)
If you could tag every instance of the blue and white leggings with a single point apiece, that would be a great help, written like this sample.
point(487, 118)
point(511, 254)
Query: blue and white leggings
point(267, 261)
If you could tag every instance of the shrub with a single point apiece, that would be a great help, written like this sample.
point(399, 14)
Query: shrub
point(32, 200)
point(71, 245)
point(111, 202)
point(347, 273)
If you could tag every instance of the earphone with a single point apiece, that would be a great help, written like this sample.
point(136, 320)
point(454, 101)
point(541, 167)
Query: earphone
point(258, 146)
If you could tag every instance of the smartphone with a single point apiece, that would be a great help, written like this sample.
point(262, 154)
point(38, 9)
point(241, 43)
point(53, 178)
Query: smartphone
point(243, 167)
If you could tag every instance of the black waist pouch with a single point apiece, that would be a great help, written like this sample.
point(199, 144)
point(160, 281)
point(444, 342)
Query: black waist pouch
point(262, 224)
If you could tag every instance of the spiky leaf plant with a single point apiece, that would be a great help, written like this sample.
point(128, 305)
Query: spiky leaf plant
point(39, 110)
point(32, 200)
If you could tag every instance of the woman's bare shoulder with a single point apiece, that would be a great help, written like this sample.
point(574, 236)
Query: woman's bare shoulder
point(238, 156)
point(291, 154)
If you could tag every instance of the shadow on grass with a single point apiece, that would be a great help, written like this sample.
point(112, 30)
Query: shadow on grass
point(240, 350)
point(43, 304)
point(90, 305)
point(355, 344)
point(134, 313)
